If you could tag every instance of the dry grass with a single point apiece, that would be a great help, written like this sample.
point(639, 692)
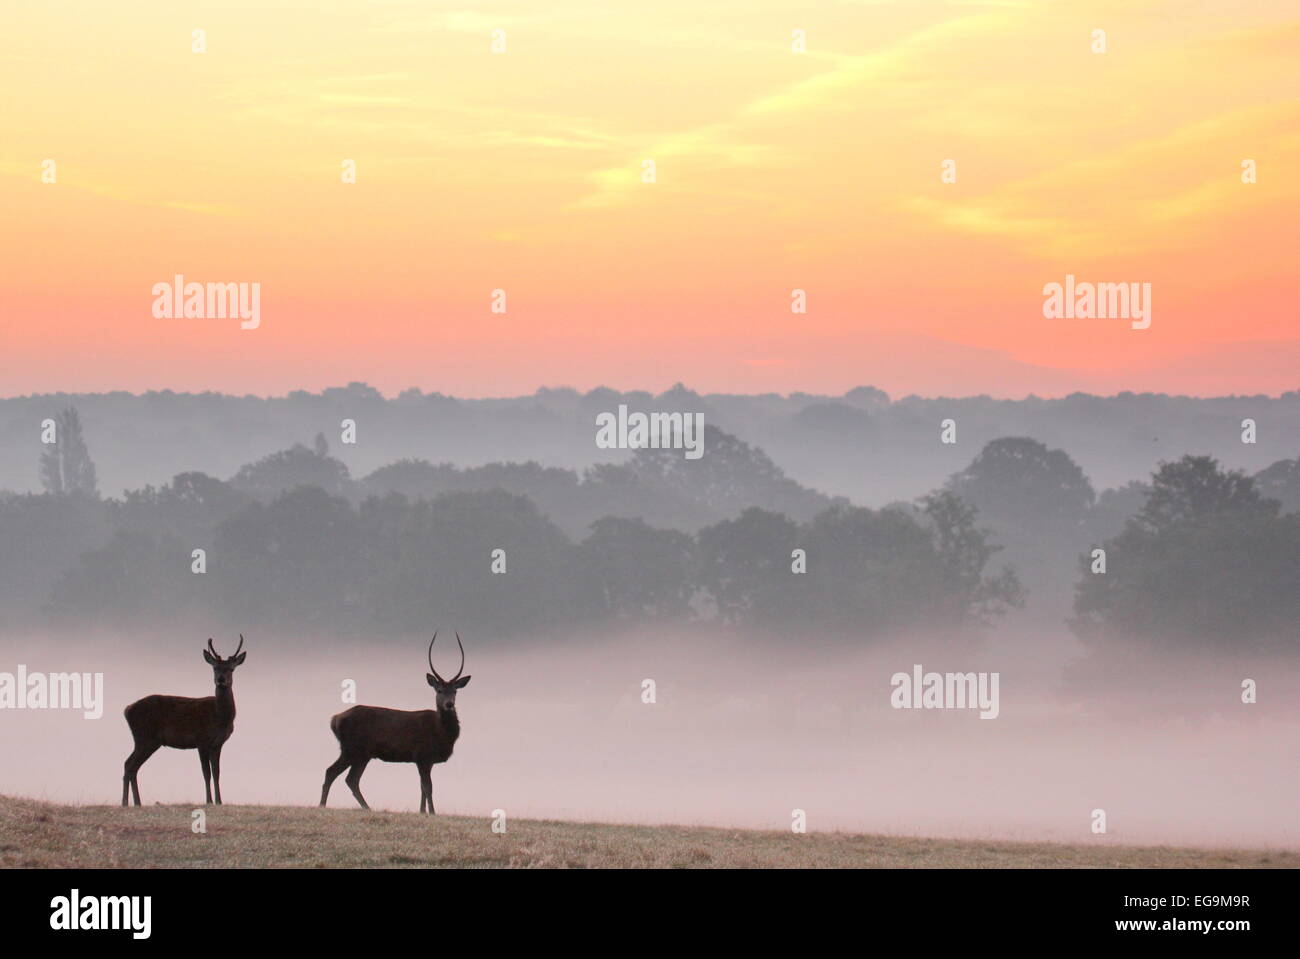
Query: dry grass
point(37, 834)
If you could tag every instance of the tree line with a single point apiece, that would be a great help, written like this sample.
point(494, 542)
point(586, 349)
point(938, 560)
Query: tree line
point(489, 559)
point(1197, 555)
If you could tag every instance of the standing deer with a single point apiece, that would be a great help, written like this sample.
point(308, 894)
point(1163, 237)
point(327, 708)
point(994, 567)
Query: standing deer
point(182, 722)
point(423, 737)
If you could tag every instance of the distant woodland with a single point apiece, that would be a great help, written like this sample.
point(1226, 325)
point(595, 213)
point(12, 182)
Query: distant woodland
point(1193, 552)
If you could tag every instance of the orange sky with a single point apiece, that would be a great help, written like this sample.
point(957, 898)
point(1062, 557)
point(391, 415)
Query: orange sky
point(775, 170)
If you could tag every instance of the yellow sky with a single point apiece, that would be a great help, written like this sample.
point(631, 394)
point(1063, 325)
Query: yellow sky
point(775, 170)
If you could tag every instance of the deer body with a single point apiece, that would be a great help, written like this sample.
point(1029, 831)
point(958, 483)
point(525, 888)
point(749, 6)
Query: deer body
point(398, 735)
point(424, 737)
point(184, 722)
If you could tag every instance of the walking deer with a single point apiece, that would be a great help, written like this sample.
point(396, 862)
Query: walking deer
point(423, 737)
point(182, 722)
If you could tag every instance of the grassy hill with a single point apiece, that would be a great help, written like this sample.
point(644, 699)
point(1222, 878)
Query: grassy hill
point(37, 834)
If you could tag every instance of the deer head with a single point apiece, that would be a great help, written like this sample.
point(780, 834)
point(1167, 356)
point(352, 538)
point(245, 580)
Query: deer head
point(446, 688)
point(223, 669)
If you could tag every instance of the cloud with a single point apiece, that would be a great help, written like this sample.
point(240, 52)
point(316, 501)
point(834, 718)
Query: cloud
point(744, 139)
point(1137, 196)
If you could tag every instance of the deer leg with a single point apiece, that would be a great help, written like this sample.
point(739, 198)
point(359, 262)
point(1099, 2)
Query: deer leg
point(354, 781)
point(132, 767)
point(426, 788)
point(215, 763)
point(126, 777)
point(204, 759)
point(331, 774)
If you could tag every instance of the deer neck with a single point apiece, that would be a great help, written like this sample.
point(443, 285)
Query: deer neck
point(225, 703)
point(448, 725)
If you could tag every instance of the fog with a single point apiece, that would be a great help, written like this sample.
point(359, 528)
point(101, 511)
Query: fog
point(861, 444)
point(742, 733)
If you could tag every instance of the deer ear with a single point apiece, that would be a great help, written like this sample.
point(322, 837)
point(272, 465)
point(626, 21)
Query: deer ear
point(239, 660)
point(432, 682)
point(462, 682)
point(207, 656)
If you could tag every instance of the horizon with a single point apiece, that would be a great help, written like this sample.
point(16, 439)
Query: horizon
point(678, 386)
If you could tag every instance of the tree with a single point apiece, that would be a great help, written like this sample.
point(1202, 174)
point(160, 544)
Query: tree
point(964, 550)
point(413, 478)
point(485, 559)
point(869, 572)
point(1036, 501)
point(1281, 482)
point(1019, 481)
point(41, 536)
point(190, 507)
point(292, 561)
point(877, 571)
point(1114, 508)
point(744, 566)
point(730, 476)
point(66, 466)
point(297, 466)
point(636, 571)
point(1193, 489)
point(136, 578)
point(1207, 562)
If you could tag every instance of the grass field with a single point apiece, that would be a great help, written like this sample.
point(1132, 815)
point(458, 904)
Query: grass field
point(37, 834)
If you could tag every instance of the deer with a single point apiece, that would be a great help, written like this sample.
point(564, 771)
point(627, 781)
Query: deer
point(183, 722)
point(424, 737)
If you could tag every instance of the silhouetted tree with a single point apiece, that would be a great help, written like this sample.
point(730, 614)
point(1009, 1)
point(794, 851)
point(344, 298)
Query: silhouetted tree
point(730, 476)
point(611, 489)
point(1194, 489)
point(137, 578)
point(1281, 481)
point(1114, 508)
point(292, 561)
point(1207, 562)
point(190, 508)
point(413, 478)
point(297, 466)
point(745, 567)
point(637, 572)
point(1018, 480)
point(876, 571)
point(40, 538)
point(431, 562)
point(964, 551)
point(1036, 501)
point(66, 466)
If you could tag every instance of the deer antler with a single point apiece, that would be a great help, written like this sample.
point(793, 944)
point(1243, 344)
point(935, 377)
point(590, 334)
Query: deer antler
point(241, 646)
point(462, 658)
point(213, 648)
point(431, 669)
